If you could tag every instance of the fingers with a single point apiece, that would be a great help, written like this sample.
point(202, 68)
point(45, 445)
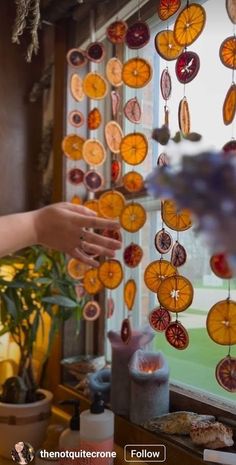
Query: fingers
point(97, 250)
point(76, 253)
point(78, 209)
point(96, 222)
point(102, 241)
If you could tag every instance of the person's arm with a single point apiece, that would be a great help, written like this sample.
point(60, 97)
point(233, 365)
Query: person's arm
point(64, 227)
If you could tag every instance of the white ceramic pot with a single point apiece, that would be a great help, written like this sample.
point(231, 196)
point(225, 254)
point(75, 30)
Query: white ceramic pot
point(24, 422)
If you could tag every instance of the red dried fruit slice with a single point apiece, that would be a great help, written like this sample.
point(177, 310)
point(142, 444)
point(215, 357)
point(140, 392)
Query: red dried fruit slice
point(91, 311)
point(159, 319)
point(167, 8)
point(115, 103)
point(130, 290)
point(187, 67)
point(177, 336)
point(220, 266)
point(231, 10)
point(163, 241)
point(126, 332)
point(93, 181)
point(112, 234)
point(76, 58)
point(178, 255)
point(184, 116)
point(132, 110)
point(137, 35)
point(76, 176)
point(165, 84)
point(115, 170)
point(229, 106)
point(230, 147)
point(95, 52)
point(226, 373)
point(163, 160)
point(116, 32)
point(133, 255)
point(110, 307)
point(94, 119)
point(76, 118)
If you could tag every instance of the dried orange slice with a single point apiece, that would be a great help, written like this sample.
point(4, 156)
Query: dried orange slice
point(94, 152)
point(126, 331)
point(76, 200)
point(156, 272)
point(130, 290)
point(229, 107)
point(163, 241)
point(76, 269)
point(95, 86)
point(110, 274)
point(91, 282)
point(72, 146)
point(134, 148)
point(137, 72)
point(221, 322)
point(189, 24)
point(114, 72)
point(76, 118)
point(166, 45)
point(184, 116)
point(231, 10)
point(113, 136)
point(226, 373)
point(228, 52)
point(76, 58)
point(178, 220)
point(94, 119)
point(111, 204)
point(167, 8)
point(92, 205)
point(178, 255)
point(116, 32)
point(159, 319)
point(76, 87)
point(133, 182)
point(133, 255)
point(133, 217)
point(177, 335)
point(220, 266)
point(91, 311)
point(175, 293)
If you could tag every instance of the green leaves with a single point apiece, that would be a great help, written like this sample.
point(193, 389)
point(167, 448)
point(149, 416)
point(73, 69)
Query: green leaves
point(61, 301)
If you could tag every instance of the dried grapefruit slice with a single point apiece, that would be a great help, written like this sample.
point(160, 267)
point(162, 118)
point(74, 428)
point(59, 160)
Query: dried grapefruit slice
point(115, 103)
point(189, 24)
point(159, 319)
point(113, 136)
point(111, 204)
point(95, 52)
point(93, 181)
point(229, 107)
point(165, 84)
point(137, 72)
point(228, 52)
point(175, 293)
point(226, 373)
point(110, 274)
point(133, 217)
point(133, 182)
point(184, 116)
point(167, 8)
point(126, 332)
point(134, 148)
point(163, 241)
point(94, 119)
point(116, 32)
point(132, 110)
point(130, 290)
point(91, 282)
point(116, 169)
point(112, 234)
point(220, 266)
point(178, 220)
point(76, 269)
point(178, 255)
point(76, 176)
point(91, 311)
point(72, 146)
point(231, 10)
point(76, 87)
point(187, 67)
point(177, 335)
point(133, 255)
point(114, 72)
point(221, 322)
point(76, 58)
point(94, 152)
point(95, 86)
point(166, 46)
point(137, 35)
point(156, 272)
point(76, 118)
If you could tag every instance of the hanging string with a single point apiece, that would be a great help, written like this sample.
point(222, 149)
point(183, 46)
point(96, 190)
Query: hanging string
point(229, 289)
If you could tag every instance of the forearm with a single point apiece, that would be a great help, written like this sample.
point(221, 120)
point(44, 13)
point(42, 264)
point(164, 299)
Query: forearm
point(16, 232)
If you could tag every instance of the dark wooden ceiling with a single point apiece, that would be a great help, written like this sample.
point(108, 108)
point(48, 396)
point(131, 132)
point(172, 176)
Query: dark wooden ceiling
point(55, 10)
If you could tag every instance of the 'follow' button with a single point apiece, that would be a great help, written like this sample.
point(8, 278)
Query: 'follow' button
point(149, 452)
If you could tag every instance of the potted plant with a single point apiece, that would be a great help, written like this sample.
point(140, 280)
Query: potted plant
point(33, 285)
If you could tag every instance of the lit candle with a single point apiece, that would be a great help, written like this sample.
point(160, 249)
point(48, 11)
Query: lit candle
point(149, 373)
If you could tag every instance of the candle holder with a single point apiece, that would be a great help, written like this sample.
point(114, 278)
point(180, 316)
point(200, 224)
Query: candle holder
point(149, 374)
point(121, 355)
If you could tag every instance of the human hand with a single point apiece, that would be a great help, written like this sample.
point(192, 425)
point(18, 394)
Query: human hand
point(66, 227)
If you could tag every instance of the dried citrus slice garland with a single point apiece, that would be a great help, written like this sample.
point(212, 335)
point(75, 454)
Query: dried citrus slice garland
point(156, 272)
point(92, 205)
point(76, 118)
point(114, 72)
point(137, 35)
point(187, 67)
point(116, 32)
point(167, 8)
point(189, 24)
point(231, 10)
point(76, 58)
point(166, 46)
point(184, 116)
point(76, 87)
point(178, 255)
point(130, 290)
point(91, 311)
point(178, 220)
point(159, 319)
point(116, 170)
point(229, 107)
point(133, 182)
point(76, 200)
point(221, 322)
point(220, 266)
point(126, 331)
point(132, 255)
point(95, 86)
point(134, 148)
point(137, 72)
point(175, 293)
point(226, 373)
point(76, 176)
point(177, 335)
point(132, 110)
point(113, 136)
point(91, 282)
point(94, 152)
point(165, 84)
point(111, 204)
point(95, 52)
point(110, 274)
point(72, 146)
point(163, 241)
point(93, 181)
point(133, 217)
point(76, 269)
point(228, 52)
point(94, 119)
